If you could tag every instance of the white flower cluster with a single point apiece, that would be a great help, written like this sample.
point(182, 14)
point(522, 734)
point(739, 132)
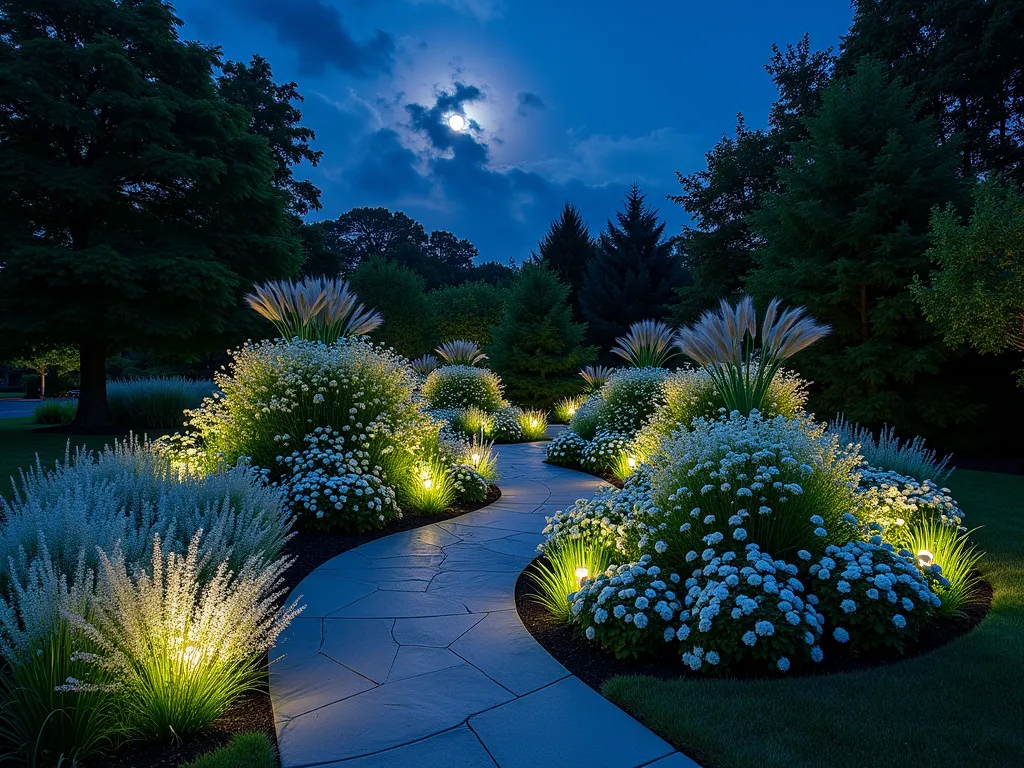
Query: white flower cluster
point(601, 454)
point(470, 485)
point(585, 421)
point(892, 502)
point(505, 424)
point(334, 486)
point(629, 609)
point(463, 386)
point(630, 397)
point(872, 595)
point(566, 449)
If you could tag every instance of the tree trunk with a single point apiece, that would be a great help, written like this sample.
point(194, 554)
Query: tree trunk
point(42, 382)
point(92, 415)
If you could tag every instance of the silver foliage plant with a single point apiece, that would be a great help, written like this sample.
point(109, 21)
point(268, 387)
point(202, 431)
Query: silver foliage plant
point(887, 451)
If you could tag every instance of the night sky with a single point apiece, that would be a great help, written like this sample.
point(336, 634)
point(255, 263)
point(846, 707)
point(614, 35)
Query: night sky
point(567, 99)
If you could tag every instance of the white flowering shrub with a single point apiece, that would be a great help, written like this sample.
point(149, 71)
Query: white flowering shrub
point(277, 392)
point(741, 606)
point(332, 488)
point(871, 595)
point(470, 485)
point(892, 504)
point(630, 610)
point(603, 454)
point(463, 386)
point(506, 425)
point(630, 398)
point(566, 449)
point(586, 420)
point(784, 484)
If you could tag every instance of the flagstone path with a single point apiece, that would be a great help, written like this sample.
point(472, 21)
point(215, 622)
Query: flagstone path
point(410, 653)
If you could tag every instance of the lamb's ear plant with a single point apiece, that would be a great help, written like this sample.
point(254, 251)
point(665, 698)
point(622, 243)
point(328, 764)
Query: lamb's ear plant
point(647, 344)
point(314, 309)
point(559, 572)
point(724, 342)
point(957, 558)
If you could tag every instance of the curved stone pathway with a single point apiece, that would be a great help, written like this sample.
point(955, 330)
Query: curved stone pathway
point(410, 652)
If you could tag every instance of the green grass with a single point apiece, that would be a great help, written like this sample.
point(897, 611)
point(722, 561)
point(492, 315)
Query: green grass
point(960, 705)
point(246, 750)
point(19, 446)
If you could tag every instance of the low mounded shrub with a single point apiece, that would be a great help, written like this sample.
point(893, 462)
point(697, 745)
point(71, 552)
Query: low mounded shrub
point(463, 386)
point(155, 403)
point(55, 412)
point(566, 449)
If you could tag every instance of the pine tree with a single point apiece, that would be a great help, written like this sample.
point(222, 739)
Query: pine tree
point(634, 275)
point(137, 205)
point(845, 238)
point(567, 250)
point(537, 348)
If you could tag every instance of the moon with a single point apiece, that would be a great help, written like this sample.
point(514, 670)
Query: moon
point(457, 122)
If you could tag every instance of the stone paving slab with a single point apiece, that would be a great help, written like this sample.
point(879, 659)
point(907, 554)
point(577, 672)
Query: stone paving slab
point(411, 652)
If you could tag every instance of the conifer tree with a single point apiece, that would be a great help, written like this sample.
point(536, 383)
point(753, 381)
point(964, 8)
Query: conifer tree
point(634, 275)
point(567, 250)
point(537, 348)
point(845, 238)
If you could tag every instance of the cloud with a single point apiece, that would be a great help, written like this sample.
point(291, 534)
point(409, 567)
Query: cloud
point(432, 121)
point(484, 10)
point(528, 100)
point(317, 32)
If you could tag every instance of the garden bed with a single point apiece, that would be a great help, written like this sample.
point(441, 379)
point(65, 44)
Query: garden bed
point(593, 665)
point(253, 710)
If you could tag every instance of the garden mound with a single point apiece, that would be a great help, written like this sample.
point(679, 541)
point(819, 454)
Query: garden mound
point(593, 665)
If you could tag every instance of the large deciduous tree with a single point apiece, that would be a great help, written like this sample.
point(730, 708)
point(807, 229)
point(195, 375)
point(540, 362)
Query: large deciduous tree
point(136, 203)
point(567, 250)
point(634, 275)
point(358, 234)
point(845, 237)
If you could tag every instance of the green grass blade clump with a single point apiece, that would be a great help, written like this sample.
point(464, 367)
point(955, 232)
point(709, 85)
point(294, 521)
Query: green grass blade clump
point(246, 750)
point(555, 573)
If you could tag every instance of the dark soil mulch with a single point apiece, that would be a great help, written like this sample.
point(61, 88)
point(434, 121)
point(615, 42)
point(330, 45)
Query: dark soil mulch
point(253, 711)
point(589, 662)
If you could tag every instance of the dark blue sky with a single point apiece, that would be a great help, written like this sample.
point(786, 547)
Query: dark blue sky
point(569, 99)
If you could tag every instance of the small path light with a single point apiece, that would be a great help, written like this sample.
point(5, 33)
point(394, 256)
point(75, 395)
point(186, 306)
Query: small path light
point(925, 558)
point(581, 575)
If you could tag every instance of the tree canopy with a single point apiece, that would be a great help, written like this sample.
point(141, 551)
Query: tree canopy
point(567, 250)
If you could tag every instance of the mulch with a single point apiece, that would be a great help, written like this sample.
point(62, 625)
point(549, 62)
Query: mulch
point(591, 664)
point(253, 711)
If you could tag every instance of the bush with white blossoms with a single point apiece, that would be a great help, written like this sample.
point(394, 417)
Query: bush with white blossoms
point(631, 397)
point(782, 483)
point(893, 503)
point(743, 606)
point(470, 485)
point(463, 386)
point(505, 424)
point(586, 420)
point(566, 449)
point(872, 596)
point(331, 487)
point(604, 452)
point(630, 610)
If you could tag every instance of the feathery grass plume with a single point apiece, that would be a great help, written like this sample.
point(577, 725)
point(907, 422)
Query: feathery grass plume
point(180, 650)
point(461, 352)
point(595, 376)
point(566, 408)
point(556, 573)
point(424, 364)
point(534, 424)
point(481, 457)
point(314, 309)
point(432, 490)
point(936, 544)
point(724, 343)
point(909, 458)
point(647, 344)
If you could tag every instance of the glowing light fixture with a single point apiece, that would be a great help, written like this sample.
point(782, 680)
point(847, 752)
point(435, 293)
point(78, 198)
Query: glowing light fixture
point(427, 483)
point(476, 458)
point(581, 575)
point(631, 462)
point(457, 122)
point(925, 558)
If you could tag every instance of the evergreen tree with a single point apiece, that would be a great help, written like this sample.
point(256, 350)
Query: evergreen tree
point(136, 204)
point(399, 294)
point(469, 311)
point(537, 348)
point(567, 250)
point(965, 61)
point(634, 275)
point(845, 237)
point(718, 247)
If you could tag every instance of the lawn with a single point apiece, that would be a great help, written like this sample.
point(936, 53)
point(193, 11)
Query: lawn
point(19, 445)
point(961, 705)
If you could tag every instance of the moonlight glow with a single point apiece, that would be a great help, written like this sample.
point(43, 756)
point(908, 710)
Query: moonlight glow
point(457, 122)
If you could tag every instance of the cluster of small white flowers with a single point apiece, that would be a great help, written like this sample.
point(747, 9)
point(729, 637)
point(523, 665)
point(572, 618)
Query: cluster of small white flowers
point(601, 453)
point(629, 398)
point(462, 386)
point(469, 484)
point(891, 502)
point(628, 608)
point(505, 424)
point(332, 485)
point(566, 449)
point(584, 422)
point(871, 594)
point(746, 606)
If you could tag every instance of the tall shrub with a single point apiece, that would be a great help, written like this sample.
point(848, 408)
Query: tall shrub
point(400, 295)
